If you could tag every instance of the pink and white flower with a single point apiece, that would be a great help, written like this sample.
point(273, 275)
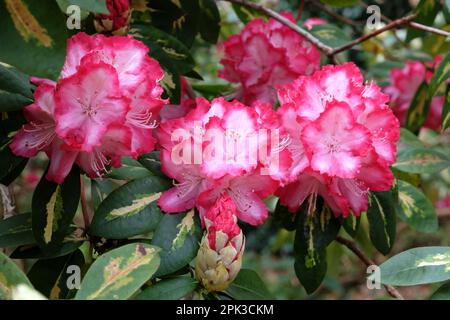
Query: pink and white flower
point(265, 55)
point(342, 139)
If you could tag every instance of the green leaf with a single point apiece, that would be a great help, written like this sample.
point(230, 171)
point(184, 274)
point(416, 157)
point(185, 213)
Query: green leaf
point(286, 219)
point(441, 74)
point(169, 289)
point(382, 220)
point(210, 91)
point(351, 224)
point(49, 276)
point(314, 233)
point(173, 55)
point(100, 189)
point(35, 252)
point(94, 6)
point(209, 20)
point(129, 170)
point(442, 293)
point(409, 139)
point(178, 235)
point(53, 209)
point(426, 12)
point(15, 88)
point(16, 231)
point(151, 161)
point(10, 276)
point(246, 14)
point(340, 3)
point(248, 285)
point(418, 109)
point(119, 273)
point(445, 122)
point(178, 18)
point(421, 160)
point(415, 209)
point(33, 36)
point(11, 166)
point(130, 210)
point(417, 266)
point(330, 35)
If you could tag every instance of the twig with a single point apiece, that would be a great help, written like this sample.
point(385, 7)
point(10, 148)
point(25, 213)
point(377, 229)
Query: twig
point(270, 13)
point(368, 262)
point(331, 13)
point(84, 205)
point(389, 26)
point(301, 5)
point(413, 24)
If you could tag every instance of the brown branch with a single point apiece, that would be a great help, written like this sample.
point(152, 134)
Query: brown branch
point(413, 24)
point(273, 14)
point(84, 205)
point(351, 245)
point(389, 26)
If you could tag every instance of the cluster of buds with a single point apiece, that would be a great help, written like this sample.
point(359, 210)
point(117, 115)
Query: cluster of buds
point(219, 258)
point(118, 20)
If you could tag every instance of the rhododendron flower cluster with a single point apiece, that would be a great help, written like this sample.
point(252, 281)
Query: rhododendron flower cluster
point(264, 55)
point(217, 149)
point(404, 83)
point(117, 22)
point(104, 106)
point(342, 139)
point(219, 258)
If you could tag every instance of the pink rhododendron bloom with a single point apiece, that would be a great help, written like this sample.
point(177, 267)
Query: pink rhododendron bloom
point(104, 106)
point(118, 20)
point(265, 55)
point(342, 139)
point(404, 83)
point(213, 151)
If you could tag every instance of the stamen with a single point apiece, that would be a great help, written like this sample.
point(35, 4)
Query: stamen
point(142, 119)
point(39, 135)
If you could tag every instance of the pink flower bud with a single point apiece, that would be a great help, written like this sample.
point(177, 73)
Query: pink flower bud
point(219, 258)
point(118, 21)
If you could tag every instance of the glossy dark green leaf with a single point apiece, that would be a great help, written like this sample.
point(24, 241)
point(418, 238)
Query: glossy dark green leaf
point(314, 233)
point(152, 162)
point(209, 20)
point(53, 209)
point(340, 3)
point(415, 208)
point(35, 252)
point(16, 231)
point(210, 91)
point(100, 189)
point(418, 109)
point(129, 170)
point(441, 74)
point(10, 277)
point(351, 224)
point(15, 89)
point(417, 266)
point(330, 35)
point(421, 160)
point(246, 14)
point(95, 6)
point(382, 220)
point(169, 289)
point(49, 276)
point(445, 118)
point(130, 210)
point(173, 55)
point(33, 36)
point(426, 12)
point(286, 219)
point(119, 273)
point(178, 18)
point(442, 293)
point(178, 235)
point(248, 285)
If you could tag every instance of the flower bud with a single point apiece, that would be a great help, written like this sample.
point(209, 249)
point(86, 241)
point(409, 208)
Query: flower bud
point(219, 258)
point(118, 20)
